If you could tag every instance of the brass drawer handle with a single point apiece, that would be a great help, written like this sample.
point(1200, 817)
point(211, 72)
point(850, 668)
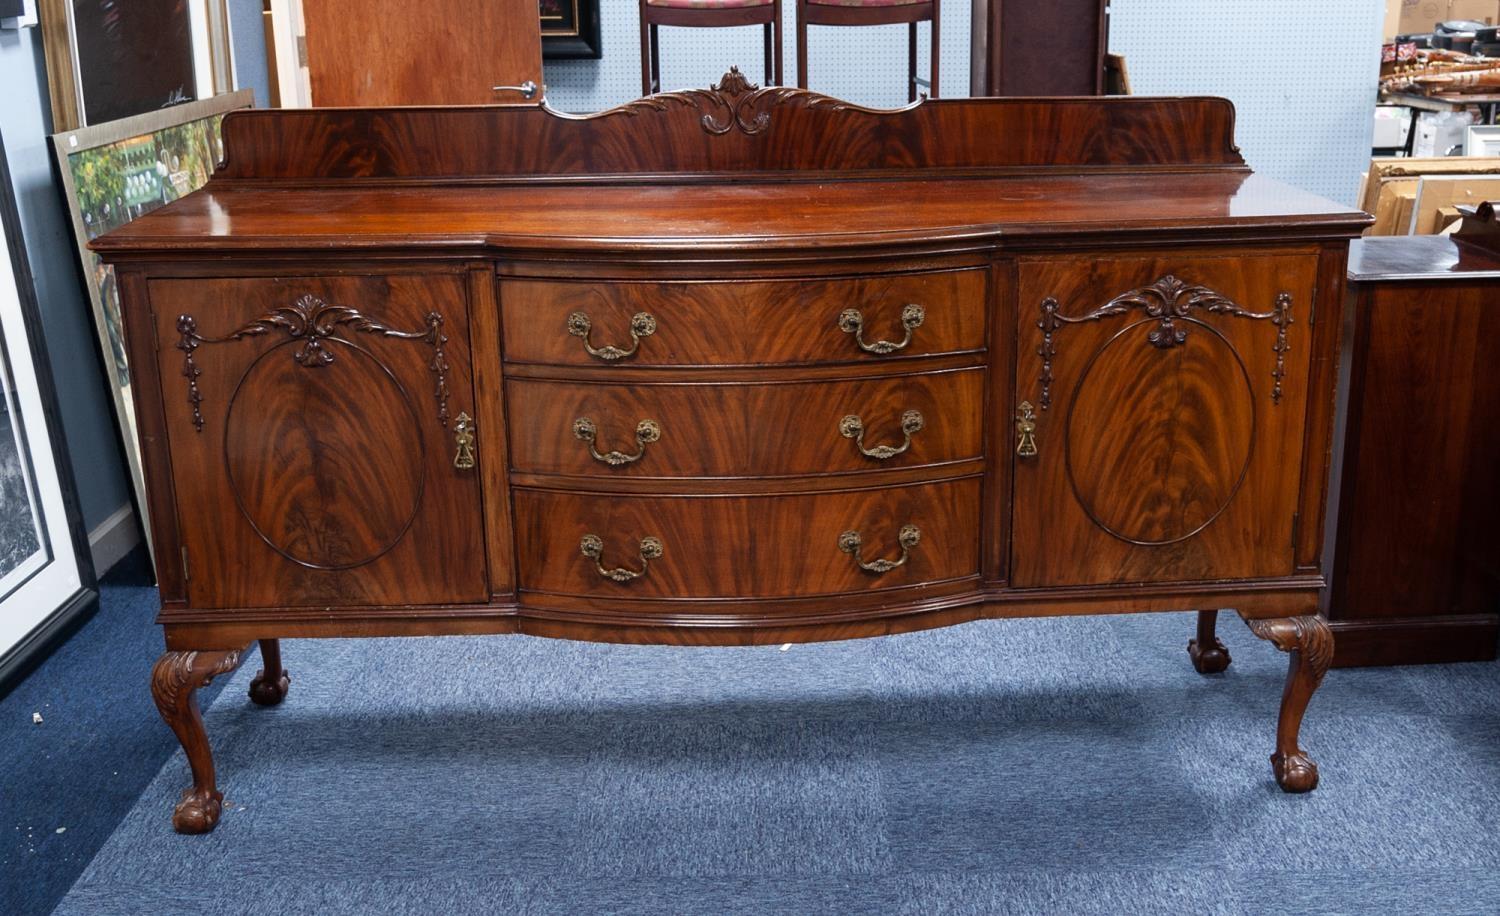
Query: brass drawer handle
point(641, 325)
point(850, 543)
point(852, 427)
point(463, 441)
point(593, 547)
point(646, 431)
point(1026, 430)
point(852, 321)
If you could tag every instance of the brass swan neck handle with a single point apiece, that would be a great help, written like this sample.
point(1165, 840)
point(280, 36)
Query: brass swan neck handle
point(646, 431)
point(852, 427)
point(850, 542)
point(592, 547)
point(852, 321)
point(642, 324)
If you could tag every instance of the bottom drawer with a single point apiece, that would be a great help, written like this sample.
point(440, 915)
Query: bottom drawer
point(595, 544)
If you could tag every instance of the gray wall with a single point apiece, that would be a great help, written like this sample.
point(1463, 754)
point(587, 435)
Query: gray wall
point(68, 325)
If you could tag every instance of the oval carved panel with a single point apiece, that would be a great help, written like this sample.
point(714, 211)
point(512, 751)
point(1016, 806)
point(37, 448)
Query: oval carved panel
point(1162, 470)
point(308, 454)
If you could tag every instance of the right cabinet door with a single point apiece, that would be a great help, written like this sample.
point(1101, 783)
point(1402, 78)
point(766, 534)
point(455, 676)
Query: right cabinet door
point(1158, 417)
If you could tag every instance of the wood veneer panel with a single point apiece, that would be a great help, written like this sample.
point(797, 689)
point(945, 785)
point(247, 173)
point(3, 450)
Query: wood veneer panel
point(1419, 493)
point(313, 453)
point(678, 134)
point(744, 547)
point(731, 430)
point(1166, 450)
point(744, 323)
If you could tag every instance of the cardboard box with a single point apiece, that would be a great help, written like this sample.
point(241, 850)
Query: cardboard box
point(1417, 17)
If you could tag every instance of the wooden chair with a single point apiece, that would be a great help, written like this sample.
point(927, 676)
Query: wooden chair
point(710, 14)
point(872, 12)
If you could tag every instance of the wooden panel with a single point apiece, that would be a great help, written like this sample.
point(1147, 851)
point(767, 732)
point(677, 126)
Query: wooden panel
point(744, 323)
point(746, 547)
point(440, 52)
point(1170, 417)
point(732, 430)
point(705, 131)
point(1039, 49)
point(311, 429)
point(1419, 495)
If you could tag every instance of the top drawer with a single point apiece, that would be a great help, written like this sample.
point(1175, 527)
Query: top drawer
point(743, 322)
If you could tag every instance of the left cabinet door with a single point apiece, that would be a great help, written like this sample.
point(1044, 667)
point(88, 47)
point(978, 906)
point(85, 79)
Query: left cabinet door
point(321, 439)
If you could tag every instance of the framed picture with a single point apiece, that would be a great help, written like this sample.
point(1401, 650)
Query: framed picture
point(570, 29)
point(1483, 140)
point(113, 173)
point(108, 60)
point(46, 576)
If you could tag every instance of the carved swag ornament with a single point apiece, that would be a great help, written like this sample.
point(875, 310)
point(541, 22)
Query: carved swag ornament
point(1166, 300)
point(736, 103)
point(313, 321)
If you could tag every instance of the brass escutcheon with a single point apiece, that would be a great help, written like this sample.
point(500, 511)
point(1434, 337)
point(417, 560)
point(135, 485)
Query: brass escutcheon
point(463, 440)
point(1026, 430)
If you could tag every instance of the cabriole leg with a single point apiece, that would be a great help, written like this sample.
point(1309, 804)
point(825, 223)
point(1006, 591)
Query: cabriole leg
point(271, 683)
point(174, 684)
point(1310, 643)
point(1208, 654)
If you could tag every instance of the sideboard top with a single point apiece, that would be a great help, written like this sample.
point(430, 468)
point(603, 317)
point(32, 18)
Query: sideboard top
point(729, 167)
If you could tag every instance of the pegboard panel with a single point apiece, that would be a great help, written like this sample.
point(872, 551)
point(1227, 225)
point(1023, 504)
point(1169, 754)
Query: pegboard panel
point(1302, 77)
point(863, 65)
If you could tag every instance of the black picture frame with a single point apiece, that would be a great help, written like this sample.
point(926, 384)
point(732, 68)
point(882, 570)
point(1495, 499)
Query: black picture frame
point(72, 611)
point(576, 35)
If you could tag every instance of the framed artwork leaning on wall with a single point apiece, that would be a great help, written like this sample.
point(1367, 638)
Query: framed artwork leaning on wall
point(46, 575)
point(113, 173)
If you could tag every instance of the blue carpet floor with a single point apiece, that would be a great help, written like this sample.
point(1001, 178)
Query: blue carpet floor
point(1054, 766)
point(98, 747)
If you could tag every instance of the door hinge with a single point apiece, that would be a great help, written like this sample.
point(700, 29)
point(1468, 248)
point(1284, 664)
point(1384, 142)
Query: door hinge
point(302, 50)
point(1296, 523)
point(185, 575)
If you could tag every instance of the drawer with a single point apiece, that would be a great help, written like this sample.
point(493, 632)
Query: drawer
point(743, 323)
point(746, 546)
point(737, 430)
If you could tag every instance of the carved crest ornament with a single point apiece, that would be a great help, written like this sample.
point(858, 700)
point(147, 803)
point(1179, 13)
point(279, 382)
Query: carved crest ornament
point(736, 103)
point(313, 321)
point(1167, 300)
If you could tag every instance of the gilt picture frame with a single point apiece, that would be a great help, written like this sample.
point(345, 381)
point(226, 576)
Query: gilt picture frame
point(113, 173)
point(47, 584)
point(570, 29)
point(107, 60)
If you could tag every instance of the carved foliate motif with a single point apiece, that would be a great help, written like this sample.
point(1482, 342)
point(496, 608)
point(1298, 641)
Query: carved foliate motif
point(736, 103)
point(313, 321)
point(1166, 300)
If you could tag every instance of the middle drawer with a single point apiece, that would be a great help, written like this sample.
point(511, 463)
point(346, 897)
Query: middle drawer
point(673, 429)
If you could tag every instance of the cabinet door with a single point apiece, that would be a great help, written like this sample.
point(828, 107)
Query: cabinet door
point(1160, 404)
point(313, 425)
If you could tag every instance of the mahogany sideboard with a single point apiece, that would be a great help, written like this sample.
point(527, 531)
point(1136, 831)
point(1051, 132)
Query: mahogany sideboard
point(1416, 563)
point(731, 366)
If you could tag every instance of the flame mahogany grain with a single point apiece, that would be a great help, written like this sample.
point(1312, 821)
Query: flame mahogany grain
point(308, 331)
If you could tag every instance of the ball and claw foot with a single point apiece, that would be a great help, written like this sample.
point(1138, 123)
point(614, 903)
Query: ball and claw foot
point(1208, 654)
point(1295, 773)
point(197, 812)
point(1210, 659)
point(267, 690)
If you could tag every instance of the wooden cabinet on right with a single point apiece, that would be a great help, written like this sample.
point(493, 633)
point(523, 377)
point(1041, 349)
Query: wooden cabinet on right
point(1416, 570)
point(1160, 407)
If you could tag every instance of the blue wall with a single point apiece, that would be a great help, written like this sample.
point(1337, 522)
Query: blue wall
point(67, 318)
